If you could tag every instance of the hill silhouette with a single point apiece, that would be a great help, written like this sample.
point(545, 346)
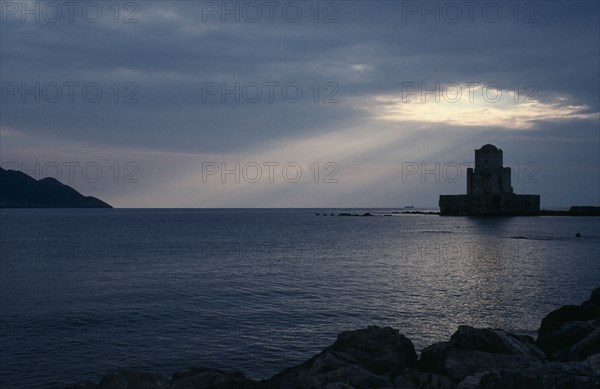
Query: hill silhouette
point(18, 190)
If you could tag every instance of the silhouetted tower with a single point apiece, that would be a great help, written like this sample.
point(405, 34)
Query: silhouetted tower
point(489, 176)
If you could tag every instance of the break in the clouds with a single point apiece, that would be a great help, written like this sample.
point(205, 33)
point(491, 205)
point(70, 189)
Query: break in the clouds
point(475, 105)
point(344, 93)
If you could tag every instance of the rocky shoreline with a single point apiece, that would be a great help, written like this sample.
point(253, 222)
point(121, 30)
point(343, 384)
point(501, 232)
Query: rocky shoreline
point(573, 211)
point(566, 354)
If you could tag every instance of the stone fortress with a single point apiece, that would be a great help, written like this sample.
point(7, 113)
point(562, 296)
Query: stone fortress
point(489, 190)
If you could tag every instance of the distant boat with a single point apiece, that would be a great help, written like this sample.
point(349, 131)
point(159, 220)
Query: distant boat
point(409, 206)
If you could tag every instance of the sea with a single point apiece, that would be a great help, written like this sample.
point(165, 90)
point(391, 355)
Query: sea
point(87, 291)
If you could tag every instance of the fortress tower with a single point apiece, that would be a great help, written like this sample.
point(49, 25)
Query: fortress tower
point(489, 175)
point(489, 189)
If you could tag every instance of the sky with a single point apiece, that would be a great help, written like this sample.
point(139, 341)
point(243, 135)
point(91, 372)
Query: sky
point(300, 103)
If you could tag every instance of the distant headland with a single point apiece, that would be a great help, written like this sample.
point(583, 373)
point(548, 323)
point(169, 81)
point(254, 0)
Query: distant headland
point(18, 190)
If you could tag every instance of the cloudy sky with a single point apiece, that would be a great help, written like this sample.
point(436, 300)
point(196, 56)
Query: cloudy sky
point(300, 104)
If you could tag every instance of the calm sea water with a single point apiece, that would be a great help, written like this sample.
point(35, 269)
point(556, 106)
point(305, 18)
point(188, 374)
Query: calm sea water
point(86, 291)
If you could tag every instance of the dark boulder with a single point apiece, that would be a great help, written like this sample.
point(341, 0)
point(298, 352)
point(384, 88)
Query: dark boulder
point(416, 379)
point(126, 379)
point(210, 379)
point(192, 379)
point(572, 332)
point(364, 358)
point(539, 375)
point(472, 350)
point(378, 350)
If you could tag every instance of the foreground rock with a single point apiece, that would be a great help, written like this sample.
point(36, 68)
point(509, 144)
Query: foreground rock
point(565, 355)
point(471, 350)
point(192, 379)
point(366, 358)
point(538, 375)
point(572, 332)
